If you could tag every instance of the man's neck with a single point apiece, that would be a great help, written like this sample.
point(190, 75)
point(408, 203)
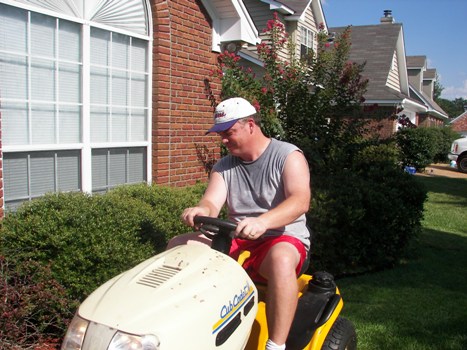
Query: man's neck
point(258, 146)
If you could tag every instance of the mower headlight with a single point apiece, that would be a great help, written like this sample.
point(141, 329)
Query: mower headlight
point(75, 335)
point(123, 341)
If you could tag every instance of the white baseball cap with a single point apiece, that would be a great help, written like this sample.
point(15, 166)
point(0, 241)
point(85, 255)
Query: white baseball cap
point(229, 111)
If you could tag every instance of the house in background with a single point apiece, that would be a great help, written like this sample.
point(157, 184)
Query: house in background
point(382, 47)
point(302, 21)
point(459, 124)
point(422, 83)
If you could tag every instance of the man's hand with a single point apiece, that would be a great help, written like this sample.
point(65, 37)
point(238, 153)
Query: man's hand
point(250, 228)
point(188, 215)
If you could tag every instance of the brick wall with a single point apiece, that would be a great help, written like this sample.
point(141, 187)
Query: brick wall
point(182, 61)
point(426, 120)
point(1, 169)
point(460, 125)
point(380, 121)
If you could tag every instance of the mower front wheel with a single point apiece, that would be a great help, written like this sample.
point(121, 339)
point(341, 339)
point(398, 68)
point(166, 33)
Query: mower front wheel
point(342, 336)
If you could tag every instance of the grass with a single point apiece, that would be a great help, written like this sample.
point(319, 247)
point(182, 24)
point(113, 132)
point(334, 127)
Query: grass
point(422, 303)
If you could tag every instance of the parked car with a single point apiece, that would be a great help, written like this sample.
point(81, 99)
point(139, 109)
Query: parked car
point(459, 154)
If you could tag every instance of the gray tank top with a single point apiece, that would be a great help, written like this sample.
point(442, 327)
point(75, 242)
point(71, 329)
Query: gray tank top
point(254, 188)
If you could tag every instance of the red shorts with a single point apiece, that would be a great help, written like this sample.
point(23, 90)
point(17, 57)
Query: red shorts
point(258, 249)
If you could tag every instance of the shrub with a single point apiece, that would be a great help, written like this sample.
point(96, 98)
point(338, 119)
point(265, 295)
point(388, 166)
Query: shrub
point(33, 308)
point(417, 146)
point(363, 219)
point(422, 146)
point(381, 152)
point(443, 138)
point(167, 204)
point(86, 239)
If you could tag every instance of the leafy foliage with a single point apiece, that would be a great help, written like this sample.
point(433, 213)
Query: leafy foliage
point(365, 218)
point(166, 203)
point(416, 146)
point(453, 108)
point(88, 239)
point(33, 308)
point(420, 147)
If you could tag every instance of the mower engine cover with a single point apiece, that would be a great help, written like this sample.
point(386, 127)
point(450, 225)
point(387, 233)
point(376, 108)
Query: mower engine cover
point(189, 297)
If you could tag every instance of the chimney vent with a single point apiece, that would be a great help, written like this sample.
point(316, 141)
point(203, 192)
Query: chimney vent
point(387, 17)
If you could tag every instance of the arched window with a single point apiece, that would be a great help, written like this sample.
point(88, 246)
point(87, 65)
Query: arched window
point(74, 95)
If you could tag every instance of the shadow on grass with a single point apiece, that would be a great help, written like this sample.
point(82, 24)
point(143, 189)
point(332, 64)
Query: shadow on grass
point(449, 186)
point(420, 304)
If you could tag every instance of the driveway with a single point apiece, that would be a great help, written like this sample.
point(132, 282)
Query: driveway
point(443, 170)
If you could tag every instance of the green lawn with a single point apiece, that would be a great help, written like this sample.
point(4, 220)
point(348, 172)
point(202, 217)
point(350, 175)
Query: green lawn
point(422, 303)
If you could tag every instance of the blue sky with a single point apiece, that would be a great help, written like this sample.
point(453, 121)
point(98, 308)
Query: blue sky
point(433, 28)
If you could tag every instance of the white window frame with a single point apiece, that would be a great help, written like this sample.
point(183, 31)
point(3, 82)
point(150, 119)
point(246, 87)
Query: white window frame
point(307, 38)
point(140, 31)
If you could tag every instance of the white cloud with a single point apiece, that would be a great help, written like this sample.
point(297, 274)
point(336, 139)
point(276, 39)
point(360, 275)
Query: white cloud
point(451, 92)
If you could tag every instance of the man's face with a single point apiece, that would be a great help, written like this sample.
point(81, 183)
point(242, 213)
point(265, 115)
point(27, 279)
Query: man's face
point(235, 137)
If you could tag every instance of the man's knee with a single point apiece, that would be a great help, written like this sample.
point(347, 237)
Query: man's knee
point(281, 261)
point(188, 238)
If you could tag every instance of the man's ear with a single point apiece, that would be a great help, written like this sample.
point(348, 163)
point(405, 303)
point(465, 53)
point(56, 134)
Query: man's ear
point(251, 124)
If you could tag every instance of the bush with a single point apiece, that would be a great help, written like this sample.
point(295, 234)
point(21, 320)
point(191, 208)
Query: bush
point(167, 204)
point(443, 138)
point(364, 219)
point(422, 146)
point(417, 147)
point(87, 239)
point(34, 309)
point(382, 152)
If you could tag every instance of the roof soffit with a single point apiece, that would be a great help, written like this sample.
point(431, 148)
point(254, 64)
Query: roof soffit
point(231, 22)
point(295, 10)
point(279, 6)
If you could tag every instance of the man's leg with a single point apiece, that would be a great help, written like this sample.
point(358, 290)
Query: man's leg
point(188, 238)
point(281, 301)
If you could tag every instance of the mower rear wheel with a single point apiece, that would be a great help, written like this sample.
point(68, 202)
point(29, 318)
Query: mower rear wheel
point(342, 336)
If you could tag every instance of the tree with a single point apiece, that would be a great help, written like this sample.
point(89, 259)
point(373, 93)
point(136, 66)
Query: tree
point(437, 89)
point(453, 108)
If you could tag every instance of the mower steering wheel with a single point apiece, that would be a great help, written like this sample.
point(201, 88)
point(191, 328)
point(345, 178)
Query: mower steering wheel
point(211, 225)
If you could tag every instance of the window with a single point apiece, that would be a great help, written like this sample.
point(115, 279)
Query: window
point(28, 175)
point(112, 167)
point(40, 66)
point(306, 42)
point(74, 97)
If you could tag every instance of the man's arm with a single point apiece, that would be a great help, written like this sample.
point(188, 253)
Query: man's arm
point(211, 203)
point(296, 178)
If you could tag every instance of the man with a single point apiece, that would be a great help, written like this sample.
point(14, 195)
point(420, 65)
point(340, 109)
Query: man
point(265, 184)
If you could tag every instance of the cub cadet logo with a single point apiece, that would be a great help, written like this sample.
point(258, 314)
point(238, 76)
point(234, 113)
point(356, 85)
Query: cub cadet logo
point(235, 301)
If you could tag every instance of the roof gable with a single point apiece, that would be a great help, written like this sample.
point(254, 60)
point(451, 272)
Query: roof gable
point(380, 46)
point(416, 62)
